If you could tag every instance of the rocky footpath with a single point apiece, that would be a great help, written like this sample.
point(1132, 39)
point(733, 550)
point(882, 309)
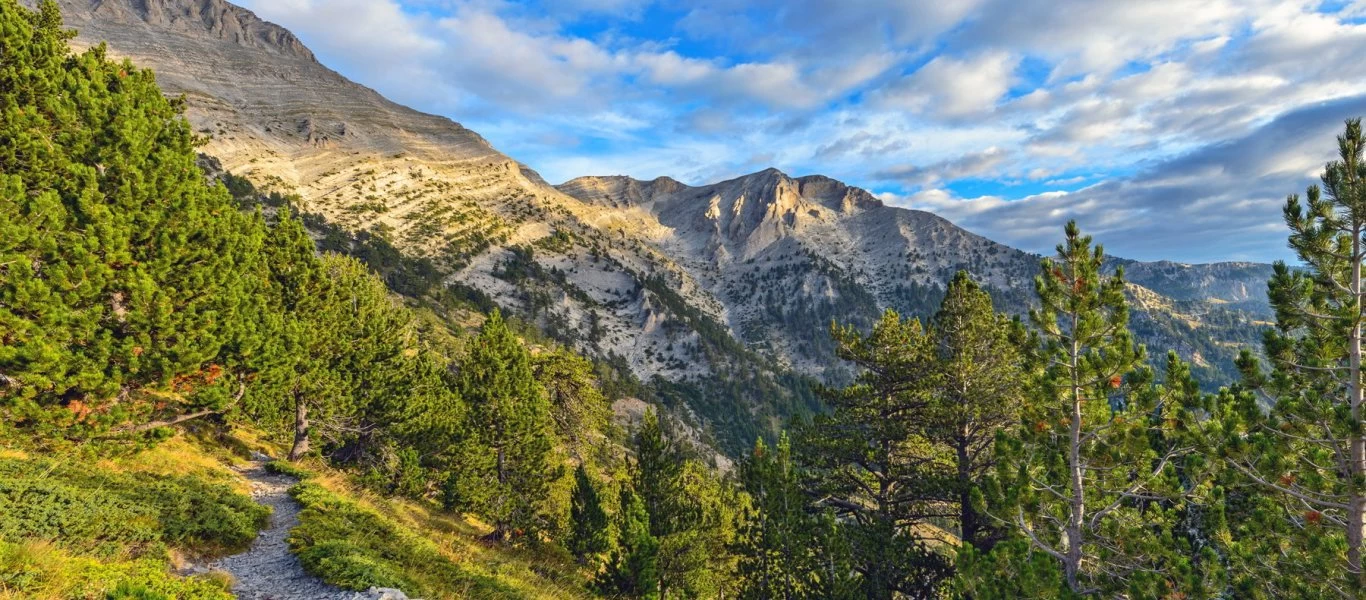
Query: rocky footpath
point(267, 570)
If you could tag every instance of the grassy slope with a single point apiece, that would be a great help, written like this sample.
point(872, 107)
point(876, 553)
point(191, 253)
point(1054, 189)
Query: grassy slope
point(118, 527)
point(74, 525)
point(355, 539)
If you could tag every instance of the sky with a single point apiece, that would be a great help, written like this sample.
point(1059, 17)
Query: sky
point(1169, 129)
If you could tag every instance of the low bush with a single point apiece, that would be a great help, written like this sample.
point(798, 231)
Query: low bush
point(353, 547)
point(108, 514)
point(282, 467)
point(40, 571)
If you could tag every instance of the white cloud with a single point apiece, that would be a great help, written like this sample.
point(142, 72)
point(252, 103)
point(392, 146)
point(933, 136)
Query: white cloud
point(974, 164)
point(951, 87)
point(1220, 202)
point(1026, 93)
point(1084, 36)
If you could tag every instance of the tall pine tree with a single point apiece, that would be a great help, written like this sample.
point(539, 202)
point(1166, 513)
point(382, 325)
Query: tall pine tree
point(1308, 456)
point(633, 571)
point(869, 464)
point(507, 471)
point(978, 395)
point(589, 533)
point(1091, 478)
point(776, 545)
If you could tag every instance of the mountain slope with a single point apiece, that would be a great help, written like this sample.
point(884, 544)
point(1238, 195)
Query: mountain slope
point(719, 294)
point(786, 255)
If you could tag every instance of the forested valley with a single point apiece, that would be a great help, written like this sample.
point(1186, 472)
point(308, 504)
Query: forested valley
point(158, 322)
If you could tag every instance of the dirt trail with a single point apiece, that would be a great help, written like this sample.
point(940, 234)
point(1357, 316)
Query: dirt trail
point(267, 570)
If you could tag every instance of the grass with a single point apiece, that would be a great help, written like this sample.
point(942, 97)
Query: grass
point(355, 539)
point(38, 570)
point(77, 527)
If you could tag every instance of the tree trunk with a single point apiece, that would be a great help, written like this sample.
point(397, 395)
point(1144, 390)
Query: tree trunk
point(1356, 520)
point(1072, 561)
point(501, 528)
point(967, 515)
point(300, 447)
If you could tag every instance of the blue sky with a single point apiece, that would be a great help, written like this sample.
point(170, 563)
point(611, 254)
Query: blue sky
point(1167, 128)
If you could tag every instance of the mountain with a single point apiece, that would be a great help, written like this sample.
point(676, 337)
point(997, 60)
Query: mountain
point(784, 255)
point(718, 295)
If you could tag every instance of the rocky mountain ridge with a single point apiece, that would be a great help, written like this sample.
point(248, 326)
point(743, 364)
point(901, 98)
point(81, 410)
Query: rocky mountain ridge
point(720, 294)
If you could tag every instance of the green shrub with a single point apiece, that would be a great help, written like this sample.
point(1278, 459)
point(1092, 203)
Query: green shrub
point(282, 467)
point(128, 590)
point(351, 566)
point(38, 570)
point(353, 547)
point(107, 514)
point(79, 519)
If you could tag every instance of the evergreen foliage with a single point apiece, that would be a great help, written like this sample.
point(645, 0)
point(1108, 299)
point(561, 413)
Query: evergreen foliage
point(776, 544)
point(589, 535)
point(1091, 477)
point(508, 465)
point(123, 275)
point(578, 404)
point(867, 459)
point(633, 571)
point(1307, 456)
point(980, 369)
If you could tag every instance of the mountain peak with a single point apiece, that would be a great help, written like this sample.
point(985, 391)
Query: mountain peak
point(259, 94)
point(620, 191)
point(215, 18)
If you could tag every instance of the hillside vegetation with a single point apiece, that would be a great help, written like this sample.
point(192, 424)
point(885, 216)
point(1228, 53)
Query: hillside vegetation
point(716, 297)
point(160, 325)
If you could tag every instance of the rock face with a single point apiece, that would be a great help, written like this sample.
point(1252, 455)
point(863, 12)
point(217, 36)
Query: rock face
point(218, 19)
point(721, 289)
point(255, 88)
point(785, 255)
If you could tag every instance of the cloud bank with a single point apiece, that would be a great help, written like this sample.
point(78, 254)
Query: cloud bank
point(1168, 128)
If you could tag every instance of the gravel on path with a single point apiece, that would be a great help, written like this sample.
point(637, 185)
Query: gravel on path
point(268, 570)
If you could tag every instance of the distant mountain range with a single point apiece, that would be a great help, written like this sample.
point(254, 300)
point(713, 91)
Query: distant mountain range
point(721, 294)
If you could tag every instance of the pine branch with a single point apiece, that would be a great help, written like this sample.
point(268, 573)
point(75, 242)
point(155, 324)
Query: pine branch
point(1034, 539)
point(145, 427)
point(1133, 489)
point(1302, 495)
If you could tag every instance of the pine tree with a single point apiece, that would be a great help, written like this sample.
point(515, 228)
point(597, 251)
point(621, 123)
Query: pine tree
point(342, 354)
point(1308, 456)
point(869, 464)
point(833, 576)
point(978, 395)
point(656, 477)
point(589, 535)
point(378, 363)
point(633, 571)
point(507, 472)
point(308, 335)
point(775, 548)
point(692, 515)
point(1091, 478)
point(578, 406)
point(123, 273)
point(696, 561)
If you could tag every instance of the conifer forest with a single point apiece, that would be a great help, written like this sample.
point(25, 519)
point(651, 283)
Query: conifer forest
point(177, 332)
